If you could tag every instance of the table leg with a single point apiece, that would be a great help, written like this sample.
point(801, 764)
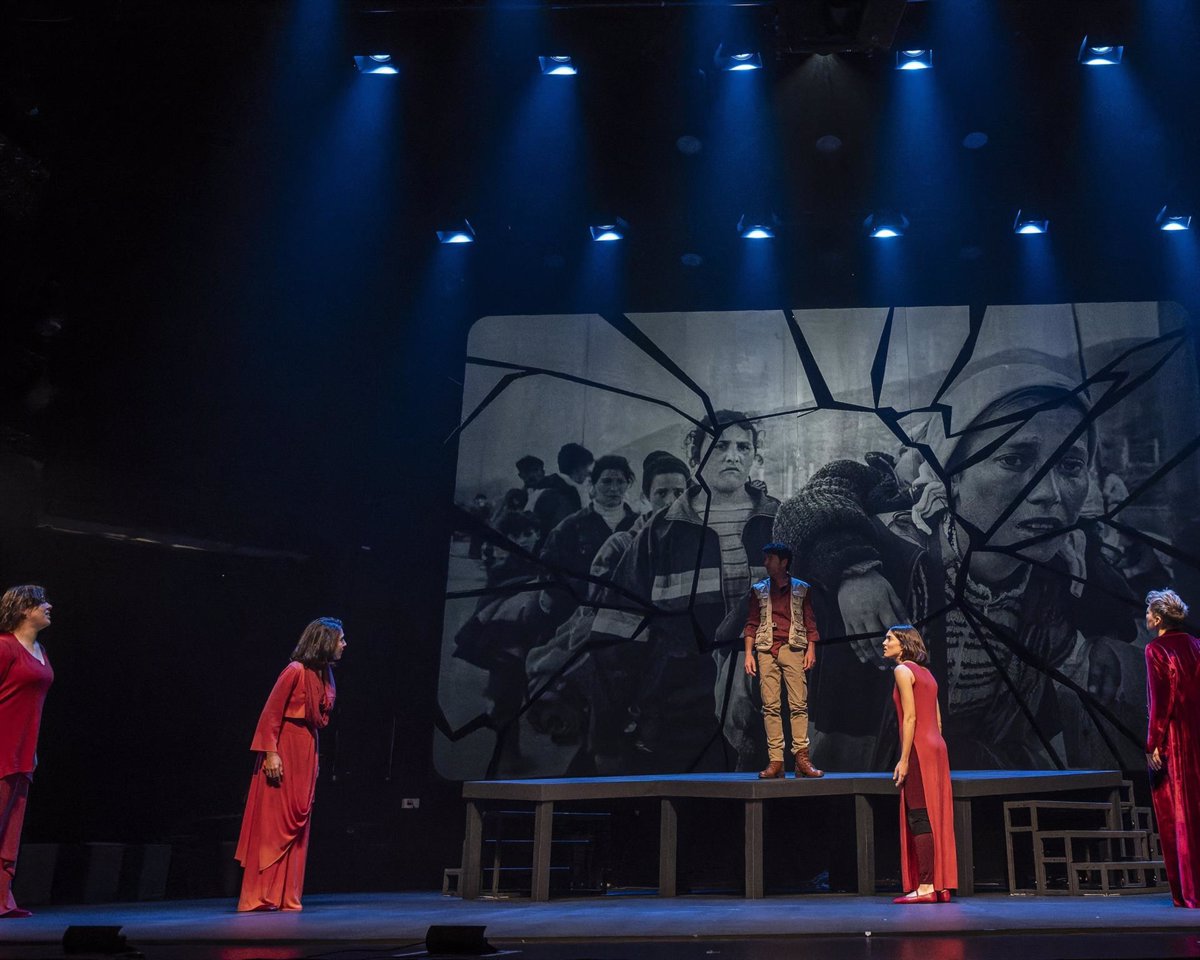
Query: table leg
point(965, 843)
point(668, 837)
point(864, 825)
point(543, 825)
point(754, 849)
point(472, 853)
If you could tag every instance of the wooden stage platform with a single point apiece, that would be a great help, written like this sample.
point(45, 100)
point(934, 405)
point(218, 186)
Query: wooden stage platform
point(968, 786)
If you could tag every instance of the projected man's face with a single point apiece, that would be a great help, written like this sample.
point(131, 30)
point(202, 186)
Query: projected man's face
point(665, 489)
point(984, 490)
point(728, 466)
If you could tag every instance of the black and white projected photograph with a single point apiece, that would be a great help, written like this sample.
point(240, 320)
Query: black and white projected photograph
point(1009, 479)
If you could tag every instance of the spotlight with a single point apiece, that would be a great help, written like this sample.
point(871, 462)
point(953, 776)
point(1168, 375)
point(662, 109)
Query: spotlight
point(737, 62)
point(1172, 220)
point(608, 232)
point(1100, 54)
point(462, 232)
point(755, 227)
point(379, 64)
point(1030, 223)
point(886, 224)
point(557, 66)
point(914, 59)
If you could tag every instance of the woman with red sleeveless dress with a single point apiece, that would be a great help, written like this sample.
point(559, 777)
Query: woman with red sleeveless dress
point(25, 676)
point(928, 857)
point(273, 845)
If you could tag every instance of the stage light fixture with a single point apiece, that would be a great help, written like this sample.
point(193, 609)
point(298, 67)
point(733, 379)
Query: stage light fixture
point(557, 66)
point(738, 62)
point(1173, 220)
point(757, 227)
point(914, 59)
point(608, 232)
point(1100, 54)
point(377, 64)
point(462, 232)
point(1029, 224)
point(886, 224)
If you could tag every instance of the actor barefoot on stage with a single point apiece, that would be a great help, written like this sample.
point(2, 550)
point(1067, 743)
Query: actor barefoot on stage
point(781, 644)
point(274, 841)
point(928, 857)
point(1173, 741)
point(25, 676)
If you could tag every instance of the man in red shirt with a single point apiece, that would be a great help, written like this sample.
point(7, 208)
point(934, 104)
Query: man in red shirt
point(781, 645)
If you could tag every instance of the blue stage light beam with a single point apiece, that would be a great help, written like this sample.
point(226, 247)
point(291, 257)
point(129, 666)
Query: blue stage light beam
point(914, 59)
point(376, 64)
point(558, 66)
point(1095, 54)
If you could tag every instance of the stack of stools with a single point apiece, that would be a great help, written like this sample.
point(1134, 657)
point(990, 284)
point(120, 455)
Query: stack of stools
point(1084, 847)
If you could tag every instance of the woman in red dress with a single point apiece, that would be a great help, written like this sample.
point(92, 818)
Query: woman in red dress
point(25, 676)
point(1173, 741)
point(928, 857)
point(274, 841)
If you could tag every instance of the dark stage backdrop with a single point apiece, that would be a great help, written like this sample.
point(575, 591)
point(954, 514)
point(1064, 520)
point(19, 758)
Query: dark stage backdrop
point(1012, 479)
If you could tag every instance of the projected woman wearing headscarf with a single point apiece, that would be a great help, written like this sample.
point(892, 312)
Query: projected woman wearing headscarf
point(987, 558)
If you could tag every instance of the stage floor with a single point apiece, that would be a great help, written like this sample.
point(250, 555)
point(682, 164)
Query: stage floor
point(839, 927)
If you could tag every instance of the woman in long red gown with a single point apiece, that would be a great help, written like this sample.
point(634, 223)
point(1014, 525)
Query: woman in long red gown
point(928, 856)
point(1173, 741)
point(25, 676)
point(273, 845)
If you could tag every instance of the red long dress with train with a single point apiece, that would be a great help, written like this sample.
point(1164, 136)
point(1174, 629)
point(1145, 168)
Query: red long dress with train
point(273, 845)
point(930, 764)
point(1173, 684)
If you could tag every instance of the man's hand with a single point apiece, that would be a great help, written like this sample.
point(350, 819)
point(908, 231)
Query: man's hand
point(751, 664)
point(810, 656)
point(869, 606)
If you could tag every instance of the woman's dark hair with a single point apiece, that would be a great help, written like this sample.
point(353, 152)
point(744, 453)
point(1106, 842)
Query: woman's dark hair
point(319, 642)
point(612, 462)
point(722, 418)
point(18, 601)
point(911, 644)
point(660, 462)
point(573, 456)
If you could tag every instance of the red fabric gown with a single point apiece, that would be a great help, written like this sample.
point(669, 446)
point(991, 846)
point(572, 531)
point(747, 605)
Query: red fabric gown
point(1173, 683)
point(930, 753)
point(24, 681)
point(273, 844)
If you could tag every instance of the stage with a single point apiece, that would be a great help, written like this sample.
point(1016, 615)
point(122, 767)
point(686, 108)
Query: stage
point(368, 925)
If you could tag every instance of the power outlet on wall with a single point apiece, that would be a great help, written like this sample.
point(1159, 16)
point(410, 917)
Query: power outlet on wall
point(410, 803)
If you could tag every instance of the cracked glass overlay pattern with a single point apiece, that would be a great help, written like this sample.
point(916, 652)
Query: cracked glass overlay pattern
point(1051, 651)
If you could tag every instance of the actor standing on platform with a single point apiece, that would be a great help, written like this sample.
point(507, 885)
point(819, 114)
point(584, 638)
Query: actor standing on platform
point(781, 644)
point(1173, 741)
point(273, 844)
point(25, 676)
point(928, 856)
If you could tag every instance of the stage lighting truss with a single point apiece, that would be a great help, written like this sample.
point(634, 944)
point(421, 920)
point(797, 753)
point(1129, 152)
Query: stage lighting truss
point(376, 64)
point(757, 226)
point(739, 62)
point(914, 59)
point(1029, 224)
point(559, 66)
point(886, 225)
point(1094, 53)
point(1172, 220)
point(461, 232)
point(609, 232)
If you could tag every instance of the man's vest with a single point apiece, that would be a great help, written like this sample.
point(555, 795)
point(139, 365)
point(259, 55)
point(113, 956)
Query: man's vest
point(797, 634)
